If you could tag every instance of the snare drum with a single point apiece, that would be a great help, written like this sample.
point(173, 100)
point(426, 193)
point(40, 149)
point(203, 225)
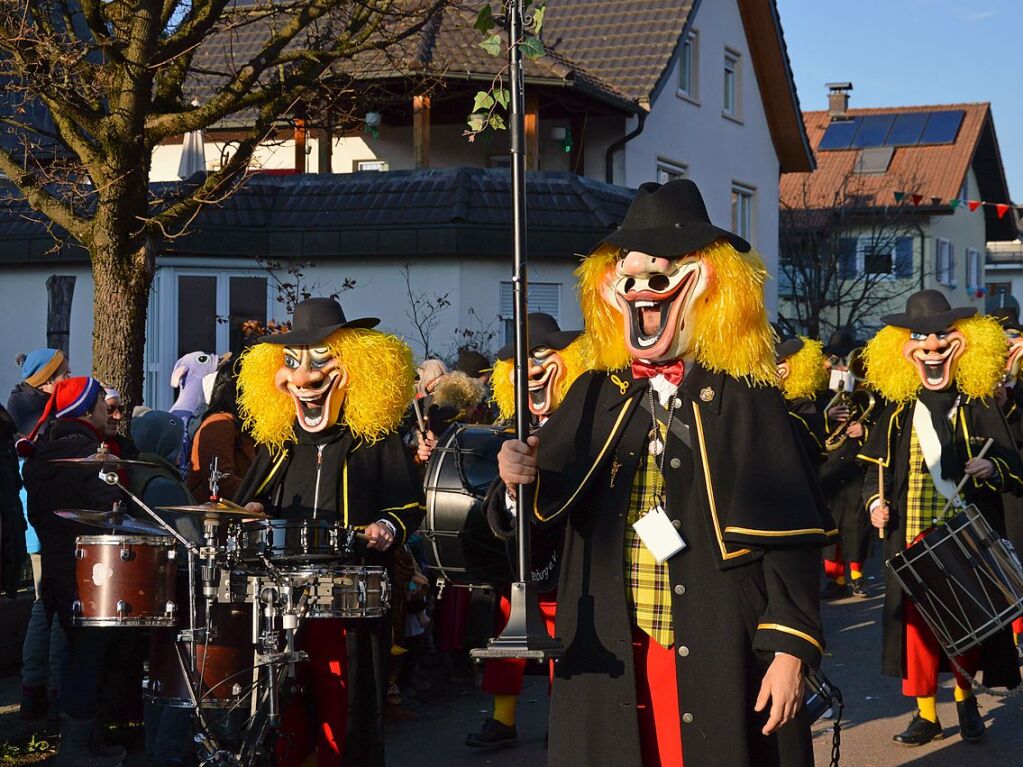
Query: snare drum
point(288, 542)
point(965, 581)
point(125, 580)
point(226, 659)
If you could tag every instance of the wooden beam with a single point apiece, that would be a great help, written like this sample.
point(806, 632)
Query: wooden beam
point(421, 130)
point(532, 126)
point(300, 137)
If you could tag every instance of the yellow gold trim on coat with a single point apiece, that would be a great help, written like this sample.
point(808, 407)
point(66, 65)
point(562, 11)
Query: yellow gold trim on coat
point(344, 487)
point(725, 553)
point(808, 429)
point(273, 470)
point(794, 632)
point(776, 533)
point(596, 463)
point(888, 441)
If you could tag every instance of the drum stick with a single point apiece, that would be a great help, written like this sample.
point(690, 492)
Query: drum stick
point(419, 417)
point(966, 477)
point(880, 496)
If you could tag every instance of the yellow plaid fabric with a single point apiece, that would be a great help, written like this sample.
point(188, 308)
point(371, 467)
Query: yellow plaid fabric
point(649, 585)
point(924, 503)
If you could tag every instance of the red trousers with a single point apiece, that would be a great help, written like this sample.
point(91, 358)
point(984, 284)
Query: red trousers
point(660, 729)
point(504, 676)
point(923, 658)
point(324, 639)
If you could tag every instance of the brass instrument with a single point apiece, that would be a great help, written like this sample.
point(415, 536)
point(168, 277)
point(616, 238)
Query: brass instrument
point(860, 402)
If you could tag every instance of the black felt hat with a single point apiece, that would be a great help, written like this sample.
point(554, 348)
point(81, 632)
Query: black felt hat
point(786, 345)
point(543, 331)
point(472, 363)
point(1008, 317)
point(669, 220)
point(928, 311)
point(314, 320)
point(841, 343)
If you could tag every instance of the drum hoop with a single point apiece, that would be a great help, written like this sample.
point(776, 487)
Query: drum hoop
point(153, 622)
point(130, 540)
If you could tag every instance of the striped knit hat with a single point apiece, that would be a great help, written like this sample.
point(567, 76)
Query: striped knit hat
point(71, 398)
point(38, 367)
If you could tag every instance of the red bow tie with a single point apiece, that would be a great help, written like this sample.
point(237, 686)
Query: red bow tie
point(672, 371)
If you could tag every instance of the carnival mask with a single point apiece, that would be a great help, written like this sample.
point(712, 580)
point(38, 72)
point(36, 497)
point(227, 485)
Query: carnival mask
point(1012, 364)
point(656, 297)
point(784, 369)
point(547, 369)
point(316, 382)
point(935, 356)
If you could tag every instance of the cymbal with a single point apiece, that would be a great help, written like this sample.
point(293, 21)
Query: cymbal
point(218, 508)
point(103, 459)
point(112, 520)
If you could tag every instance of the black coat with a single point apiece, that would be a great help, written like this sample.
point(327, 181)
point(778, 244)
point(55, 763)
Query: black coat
point(1013, 504)
point(745, 499)
point(808, 423)
point(888, 445)
point(12, 515)
point(51, 486)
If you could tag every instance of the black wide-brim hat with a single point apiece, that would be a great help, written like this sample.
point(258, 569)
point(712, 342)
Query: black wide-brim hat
point(1008, 318)
point(314, 320)
point(786, 348)
point(668, 221)
point(841, 343)
point(543, 331)
point(928, 311)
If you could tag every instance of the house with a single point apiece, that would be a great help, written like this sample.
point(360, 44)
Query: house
point(893, 206)
point(627, 91)
point(1003, 274)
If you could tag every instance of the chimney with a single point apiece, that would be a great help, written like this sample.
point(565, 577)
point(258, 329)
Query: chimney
point(838, 100)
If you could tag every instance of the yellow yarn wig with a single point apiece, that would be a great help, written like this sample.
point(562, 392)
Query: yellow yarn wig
point(578, 357)
point(979, 372)
point(806, 371)
point(731, 331)
point(381, 383)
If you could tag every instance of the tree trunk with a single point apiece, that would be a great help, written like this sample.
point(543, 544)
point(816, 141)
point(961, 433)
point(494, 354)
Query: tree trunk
point(120, 305)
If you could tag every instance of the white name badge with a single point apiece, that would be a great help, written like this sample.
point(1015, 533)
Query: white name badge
point(658, 534)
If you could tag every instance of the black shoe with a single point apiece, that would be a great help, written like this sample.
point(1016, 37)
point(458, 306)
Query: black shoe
point(858, 589)
point(919, 732)
point(971, 726)
point(34, 703)
point(493, 735)
point(833, 590)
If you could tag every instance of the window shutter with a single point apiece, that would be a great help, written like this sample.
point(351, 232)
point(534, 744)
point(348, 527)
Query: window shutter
point(542, 297)
point(847, 258)
point(904, 257)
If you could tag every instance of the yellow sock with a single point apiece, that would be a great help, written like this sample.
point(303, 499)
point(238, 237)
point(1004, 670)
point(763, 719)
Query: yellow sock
point(961, 694)
point(856, 575)
point(504, 709)
point(840, 580)
point(928, 708)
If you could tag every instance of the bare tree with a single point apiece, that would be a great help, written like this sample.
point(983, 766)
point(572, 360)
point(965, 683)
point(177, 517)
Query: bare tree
point(424, 312)
point(91, 87)
point(844, 261)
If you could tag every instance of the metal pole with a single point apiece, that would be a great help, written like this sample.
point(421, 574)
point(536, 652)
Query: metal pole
point(525, 636)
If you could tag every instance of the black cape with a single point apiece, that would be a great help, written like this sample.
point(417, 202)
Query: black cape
point(745, 498)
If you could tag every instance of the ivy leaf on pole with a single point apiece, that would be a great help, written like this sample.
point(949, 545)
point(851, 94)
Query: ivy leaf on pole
point(538, 20)
point(484, 101)
point(492, 45)
point(485, 20)
point(531, 47)
point(501, 96)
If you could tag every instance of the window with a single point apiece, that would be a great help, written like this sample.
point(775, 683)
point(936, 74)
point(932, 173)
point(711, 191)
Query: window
point(974, 270)
point(964, 190)
point(689, 67)
point(373, 165)
point(742, 211)
point(206, 303)
point(733, 84)
point(669, 170)
point(873, 257)
point(944, 263)
point(543, 297)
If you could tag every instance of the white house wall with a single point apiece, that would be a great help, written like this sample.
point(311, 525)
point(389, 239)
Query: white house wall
point(24, 300)
point(964, 229)
point(717, 150)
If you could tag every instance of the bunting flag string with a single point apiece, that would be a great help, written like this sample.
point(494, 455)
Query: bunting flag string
point(1001, 208)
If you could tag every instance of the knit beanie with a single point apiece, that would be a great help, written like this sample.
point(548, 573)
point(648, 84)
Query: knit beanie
point(39, 366)
point(71, 398)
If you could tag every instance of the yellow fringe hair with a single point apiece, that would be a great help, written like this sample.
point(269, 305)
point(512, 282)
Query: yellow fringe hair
point(578, 357)
point(979, 372)
point(732, 334)
point(806, 371)
point(381, 383)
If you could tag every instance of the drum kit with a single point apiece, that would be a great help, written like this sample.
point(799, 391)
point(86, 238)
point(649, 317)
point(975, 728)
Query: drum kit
point(225, 614)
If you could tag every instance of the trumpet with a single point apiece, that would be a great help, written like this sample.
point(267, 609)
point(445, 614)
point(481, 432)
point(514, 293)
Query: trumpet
point(860, 404)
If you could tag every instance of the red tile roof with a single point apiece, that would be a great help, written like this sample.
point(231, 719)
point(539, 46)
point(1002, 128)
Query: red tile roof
point(933, 171)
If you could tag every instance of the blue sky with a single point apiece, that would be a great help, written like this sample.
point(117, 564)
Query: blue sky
point(900, 52)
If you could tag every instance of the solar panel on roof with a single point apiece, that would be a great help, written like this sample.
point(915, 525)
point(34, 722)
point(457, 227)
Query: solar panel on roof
point(907, 129)
point(873, 130)
point(839, 134)
point(942, 127)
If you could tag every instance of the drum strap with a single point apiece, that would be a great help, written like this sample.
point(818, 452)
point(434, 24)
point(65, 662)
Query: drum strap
point(930, 446)
point(678, 428)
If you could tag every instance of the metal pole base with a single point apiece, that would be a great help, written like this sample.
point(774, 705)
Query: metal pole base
point(526, 635)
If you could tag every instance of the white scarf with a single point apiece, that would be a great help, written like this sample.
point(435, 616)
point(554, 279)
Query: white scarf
point(930, 446)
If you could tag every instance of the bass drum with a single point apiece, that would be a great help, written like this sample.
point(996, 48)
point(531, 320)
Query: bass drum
point(460, 544)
